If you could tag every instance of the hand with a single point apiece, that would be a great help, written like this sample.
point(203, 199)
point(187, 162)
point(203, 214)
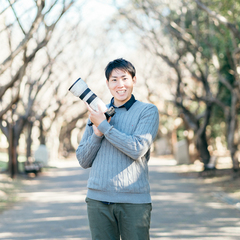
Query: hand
point(96, 117)
point(97, 132)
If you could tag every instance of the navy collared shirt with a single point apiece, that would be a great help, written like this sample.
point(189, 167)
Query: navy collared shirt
point(127, 104)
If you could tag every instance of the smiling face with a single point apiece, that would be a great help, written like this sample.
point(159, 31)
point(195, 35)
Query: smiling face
point(121, 84)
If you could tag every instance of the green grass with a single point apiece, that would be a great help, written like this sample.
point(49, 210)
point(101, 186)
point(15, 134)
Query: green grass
point(9, 187)
point(8, 191)
point(4, 161)
point(3, 165)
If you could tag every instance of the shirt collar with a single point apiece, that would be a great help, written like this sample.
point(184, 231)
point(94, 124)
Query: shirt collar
point(127, 104)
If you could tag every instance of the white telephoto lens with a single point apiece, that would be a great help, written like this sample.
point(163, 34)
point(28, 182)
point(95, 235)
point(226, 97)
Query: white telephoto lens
point(80, 89)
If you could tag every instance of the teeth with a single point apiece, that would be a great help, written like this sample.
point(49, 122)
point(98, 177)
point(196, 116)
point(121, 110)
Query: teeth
point(121, 92)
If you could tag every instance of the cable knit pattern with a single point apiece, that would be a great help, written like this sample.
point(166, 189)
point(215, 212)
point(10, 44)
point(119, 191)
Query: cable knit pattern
point(118, 160)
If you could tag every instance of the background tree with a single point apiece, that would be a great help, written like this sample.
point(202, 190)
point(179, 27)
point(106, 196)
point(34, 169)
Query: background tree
point(58, 51)
point(30, 53)
point(193, 45)
point(227, 61)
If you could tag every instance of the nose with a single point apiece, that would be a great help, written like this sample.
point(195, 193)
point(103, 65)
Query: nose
point(120, 83)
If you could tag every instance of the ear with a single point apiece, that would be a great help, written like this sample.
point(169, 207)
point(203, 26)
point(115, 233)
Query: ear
point(134, 80)
point(107, 82)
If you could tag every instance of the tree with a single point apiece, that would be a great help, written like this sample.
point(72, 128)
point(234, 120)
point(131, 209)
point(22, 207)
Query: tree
point(191, 49)
point(175, 55)
point(231, 63)
point(34, 36)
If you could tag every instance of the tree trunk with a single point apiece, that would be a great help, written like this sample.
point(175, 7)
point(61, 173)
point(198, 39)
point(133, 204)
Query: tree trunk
point(29, 141)
point(12, 149)
point(202, 143)
point(199, 127)
point(65, 138)
point(202, 147)
point(232, 131)
point(42, 137)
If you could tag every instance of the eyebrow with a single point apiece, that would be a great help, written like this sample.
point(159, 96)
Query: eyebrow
point(124, 75)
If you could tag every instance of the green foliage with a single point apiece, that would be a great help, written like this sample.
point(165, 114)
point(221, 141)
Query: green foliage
point(180, 134)
point(203, 47)
point(228, 8)
point(212, 38)
point(216, 122)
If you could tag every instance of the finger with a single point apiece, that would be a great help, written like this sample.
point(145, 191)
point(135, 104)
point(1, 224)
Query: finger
point(88, 107)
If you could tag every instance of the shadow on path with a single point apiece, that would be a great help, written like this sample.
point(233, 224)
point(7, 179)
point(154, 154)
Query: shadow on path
point(53, 207)
point(184, 208)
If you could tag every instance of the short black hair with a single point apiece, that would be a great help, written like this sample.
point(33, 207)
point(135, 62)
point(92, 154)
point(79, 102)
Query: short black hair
point(122, 64)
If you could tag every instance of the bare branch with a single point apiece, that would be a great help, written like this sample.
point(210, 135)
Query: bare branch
point(14, 100)
point(186, 37)
point(11, 3)
point(7, 62)
point(189, 117)
point(20, 25)
point(8, 26)
point(27, 59)
point(18, 76)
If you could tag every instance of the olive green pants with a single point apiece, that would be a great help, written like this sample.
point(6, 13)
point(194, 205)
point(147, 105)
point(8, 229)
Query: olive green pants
point(110, 221)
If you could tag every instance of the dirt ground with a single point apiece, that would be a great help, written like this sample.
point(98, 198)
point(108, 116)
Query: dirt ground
point(185, 205)
point(222, 179)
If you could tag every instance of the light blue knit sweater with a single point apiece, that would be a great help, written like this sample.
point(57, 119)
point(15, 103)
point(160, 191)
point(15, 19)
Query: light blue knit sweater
point(118, 160)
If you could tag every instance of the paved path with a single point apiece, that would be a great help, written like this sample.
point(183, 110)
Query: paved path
point(183, 208)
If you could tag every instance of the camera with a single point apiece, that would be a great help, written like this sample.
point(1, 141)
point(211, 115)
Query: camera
point(80, 89)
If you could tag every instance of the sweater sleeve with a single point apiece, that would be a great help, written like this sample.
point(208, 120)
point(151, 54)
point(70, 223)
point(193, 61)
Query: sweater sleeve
point(136, 145)
point(88, 148)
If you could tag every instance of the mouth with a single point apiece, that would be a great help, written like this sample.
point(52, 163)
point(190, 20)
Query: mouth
point(121, 92)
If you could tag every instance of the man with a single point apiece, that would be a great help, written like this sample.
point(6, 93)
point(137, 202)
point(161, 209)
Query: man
point(118, 150)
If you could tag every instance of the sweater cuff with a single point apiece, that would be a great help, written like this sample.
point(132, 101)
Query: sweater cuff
point(96, 139)
point(104, 126)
